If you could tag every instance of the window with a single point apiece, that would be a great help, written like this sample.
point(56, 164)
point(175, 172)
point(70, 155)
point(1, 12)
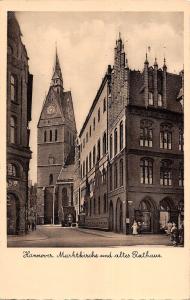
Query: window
point(104, 105)
point(121, 172)
point(99, 205)
point(90, 161)
point(98, 150)
point(165, 136)
point(115, 176)
point(105, 203)
point(99, 115)
point(146, 133)
point(50, 179)
point(104, 175)
point(115, 141)
point(181, 174)
point(94, 155)
point(111, 147)
point(121, 135)
point(181, 139)
point(45, 136)
point(12, 170)
point(90, 131)
point(160, 100)
point(94, 206)
point(13, 88)
point(83, 143)
point(150, 98)
point(111, 178)
point(104, 143)
point(94, 123)
point(83, 168)
point(146, 171)
point(165, 172)
point(55, 134)
point(13, 130)
point(86, 165)
point(50, 135)
point(87, 137)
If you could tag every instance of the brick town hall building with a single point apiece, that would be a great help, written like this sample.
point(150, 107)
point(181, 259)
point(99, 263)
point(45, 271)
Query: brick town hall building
point(56, 144)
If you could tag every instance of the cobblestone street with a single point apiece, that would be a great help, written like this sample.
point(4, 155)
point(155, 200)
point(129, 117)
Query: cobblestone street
point(57, 236)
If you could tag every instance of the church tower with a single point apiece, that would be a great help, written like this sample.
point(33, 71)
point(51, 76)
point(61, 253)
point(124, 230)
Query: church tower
point(56, 136)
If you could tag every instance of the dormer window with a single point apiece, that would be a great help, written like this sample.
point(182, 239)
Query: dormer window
point(150, 98)
point(160, 100)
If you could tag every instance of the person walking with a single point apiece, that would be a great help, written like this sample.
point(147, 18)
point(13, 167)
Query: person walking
point(169, 227)
point(139, 226)
point(135, 228)
point(174, 235)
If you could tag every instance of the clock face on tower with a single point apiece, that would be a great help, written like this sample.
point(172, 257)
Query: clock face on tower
point(51, 109)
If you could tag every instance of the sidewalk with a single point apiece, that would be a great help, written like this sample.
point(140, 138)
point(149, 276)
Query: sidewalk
point(30, 236)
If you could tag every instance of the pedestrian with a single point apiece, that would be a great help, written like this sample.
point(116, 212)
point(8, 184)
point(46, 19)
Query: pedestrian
point(168, 228)
point(33, 225)
point(135, 228)
point(174, 235)
point(139, 224)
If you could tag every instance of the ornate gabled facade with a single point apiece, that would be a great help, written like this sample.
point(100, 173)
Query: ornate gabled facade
point(56, 139)
point(19, 103)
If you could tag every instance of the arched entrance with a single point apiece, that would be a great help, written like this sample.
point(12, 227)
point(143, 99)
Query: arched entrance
point(146, 215)
point(167, 212)
point(13, 211)
point(111, 216)
point(119, 216)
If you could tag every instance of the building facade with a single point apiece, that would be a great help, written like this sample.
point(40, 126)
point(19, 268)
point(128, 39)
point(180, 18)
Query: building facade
point(131, 150)
point(56, 150)
point(145, 132)
point(19, 103)
point(93, 159)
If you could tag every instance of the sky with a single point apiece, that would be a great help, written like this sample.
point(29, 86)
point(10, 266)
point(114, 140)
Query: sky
point(85, 45)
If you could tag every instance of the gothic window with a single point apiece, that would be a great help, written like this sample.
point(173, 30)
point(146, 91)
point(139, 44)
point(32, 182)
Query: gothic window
point(94, 123)
point(50, 179)
point(165, 136)
point(181, 139)
point(146, 133)
point(115, 176)
point(83, 143)
point(160, 100)
point(104, 143)
point(181, 174)
point(99, 205)
point(121, 171)
point(13, 88)
point(111, 178)
point(90, 131)
point(45, 136)
point(105, 203)
point(150, 98)
point(94, 155)
point(104, 105)
point(55, 134)
point(86, 165)
point(50, 135)
point(90, 161)
point(115, 141)
point(99, 115)
point(12, 170)
point(166, 172)
point(87, 137)
point(98, 150)
point(121, 135)
point(13, 130)
point(146, 170)
point(111, 147)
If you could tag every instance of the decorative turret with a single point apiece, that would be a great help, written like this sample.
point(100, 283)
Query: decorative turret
point(155, 82)
point(57, 79)
point(164, 87)
point(146, 64)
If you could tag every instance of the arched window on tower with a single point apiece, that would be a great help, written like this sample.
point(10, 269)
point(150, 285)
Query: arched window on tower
point(50, 135)
point(55, 134)
point(50, 179)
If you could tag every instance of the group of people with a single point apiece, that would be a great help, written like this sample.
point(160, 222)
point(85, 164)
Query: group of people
point(176, 234)
point(31, 224)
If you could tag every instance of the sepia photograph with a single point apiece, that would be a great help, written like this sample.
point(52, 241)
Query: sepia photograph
point(95, 129)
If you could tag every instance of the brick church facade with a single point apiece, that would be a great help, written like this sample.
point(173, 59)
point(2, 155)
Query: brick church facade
point(56, 151)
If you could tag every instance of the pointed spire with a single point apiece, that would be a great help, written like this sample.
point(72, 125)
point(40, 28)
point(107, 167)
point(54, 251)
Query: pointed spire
point(155, 62)
point(146, 60)
point(164, 66)
point(57, 79)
